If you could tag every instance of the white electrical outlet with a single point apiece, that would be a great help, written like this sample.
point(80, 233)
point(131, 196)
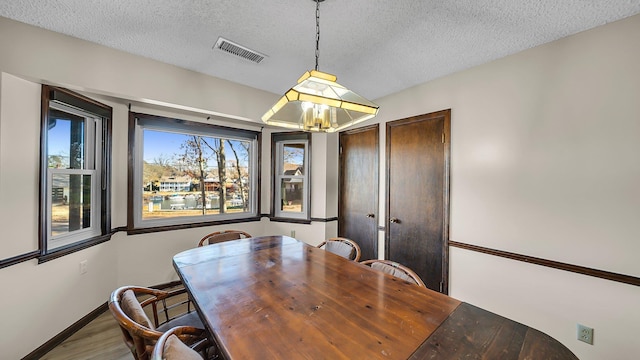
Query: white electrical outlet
point(293, 233)
point(83, 267)
point(585, 334)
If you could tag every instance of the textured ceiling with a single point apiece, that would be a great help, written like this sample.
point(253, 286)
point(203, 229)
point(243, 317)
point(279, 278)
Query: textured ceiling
point(375, 47)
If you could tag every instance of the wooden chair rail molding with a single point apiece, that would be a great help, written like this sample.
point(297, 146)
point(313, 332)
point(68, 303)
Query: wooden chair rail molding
point(35, 254)
point(607, 275)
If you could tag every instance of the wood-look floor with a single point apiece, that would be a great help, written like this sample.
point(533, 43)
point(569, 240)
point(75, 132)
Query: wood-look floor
point(101, 339)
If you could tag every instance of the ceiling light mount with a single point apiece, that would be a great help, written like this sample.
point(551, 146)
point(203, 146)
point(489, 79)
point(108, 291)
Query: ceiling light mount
point(317, 102)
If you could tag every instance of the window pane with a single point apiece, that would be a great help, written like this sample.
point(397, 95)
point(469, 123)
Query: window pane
point(291, 178)
point(181, 169)
point(293, 159)
point(70, 203)
point(65, 140)
point(75, 192)
point(292, 191)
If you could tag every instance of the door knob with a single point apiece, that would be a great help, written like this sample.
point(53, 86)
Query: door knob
point(371, 215)
point(394, 220)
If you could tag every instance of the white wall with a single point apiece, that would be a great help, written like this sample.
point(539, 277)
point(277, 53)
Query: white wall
point(544, 162)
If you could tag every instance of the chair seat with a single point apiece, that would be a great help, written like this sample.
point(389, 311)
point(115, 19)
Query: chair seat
point(190, 319)
point(135, 307)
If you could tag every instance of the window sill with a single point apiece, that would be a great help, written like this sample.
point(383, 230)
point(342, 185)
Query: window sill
point(146, 230)
point(71, 248)
point(290, 220)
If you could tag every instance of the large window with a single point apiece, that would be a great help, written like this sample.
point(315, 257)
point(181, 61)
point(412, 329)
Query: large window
point(187, 172)
point(75, 168)
point(291, 175)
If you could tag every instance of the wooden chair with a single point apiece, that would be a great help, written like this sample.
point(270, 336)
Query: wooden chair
point(224, 235)
point(165, 307)
point(172, 345)
point(344, 247)
point(395, 269)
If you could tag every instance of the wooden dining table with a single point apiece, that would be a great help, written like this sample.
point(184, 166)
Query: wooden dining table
point(274, 297)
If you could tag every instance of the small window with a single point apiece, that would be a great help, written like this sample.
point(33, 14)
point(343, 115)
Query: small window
point(187, 172)
point(75, 141)
point(291, 175)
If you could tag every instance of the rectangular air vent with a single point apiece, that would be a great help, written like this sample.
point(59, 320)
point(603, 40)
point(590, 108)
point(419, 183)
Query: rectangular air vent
point(238, 50)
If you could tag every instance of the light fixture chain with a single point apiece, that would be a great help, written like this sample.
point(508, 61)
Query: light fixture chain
point(317, 32)
point(317, 102)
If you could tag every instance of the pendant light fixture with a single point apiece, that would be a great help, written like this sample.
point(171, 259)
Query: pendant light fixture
point(318, 102)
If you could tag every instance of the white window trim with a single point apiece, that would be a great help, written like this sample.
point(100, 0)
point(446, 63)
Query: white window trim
point(92, 164)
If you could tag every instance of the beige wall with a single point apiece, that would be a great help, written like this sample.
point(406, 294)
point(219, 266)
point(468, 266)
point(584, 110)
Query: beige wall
point(54, 295)
point(38, 301)
point(45, 56)
point(19, 111)
point(544, 163)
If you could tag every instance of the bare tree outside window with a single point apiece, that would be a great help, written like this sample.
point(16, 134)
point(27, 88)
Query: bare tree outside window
point(217, 146)
point(240, 177)
point(186, 175)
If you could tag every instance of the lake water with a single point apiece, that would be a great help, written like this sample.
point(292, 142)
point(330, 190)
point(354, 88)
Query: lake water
point(187, 202)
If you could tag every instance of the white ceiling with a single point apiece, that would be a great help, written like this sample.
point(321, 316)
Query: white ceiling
point(375, 47)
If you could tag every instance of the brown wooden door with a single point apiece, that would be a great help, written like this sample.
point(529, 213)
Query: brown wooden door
point(358, 199)
point(417, 217)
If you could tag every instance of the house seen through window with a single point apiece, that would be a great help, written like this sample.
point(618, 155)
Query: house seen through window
point(291, 180)
point(76, 133)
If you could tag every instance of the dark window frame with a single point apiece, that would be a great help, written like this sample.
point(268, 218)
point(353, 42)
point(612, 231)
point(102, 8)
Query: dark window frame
point(105, 112)
point(176, 123)
point(275, 139)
